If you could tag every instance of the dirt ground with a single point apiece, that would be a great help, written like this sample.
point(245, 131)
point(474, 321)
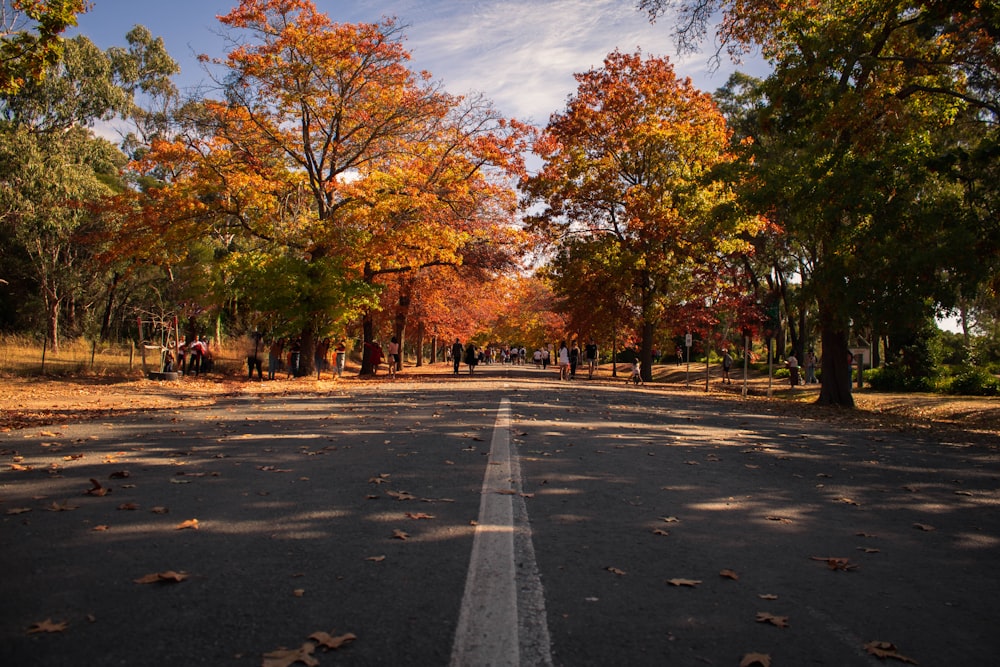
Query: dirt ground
point(40, 401)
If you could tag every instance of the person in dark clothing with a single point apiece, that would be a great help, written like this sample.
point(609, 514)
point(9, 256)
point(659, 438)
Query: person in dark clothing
point(456, 354)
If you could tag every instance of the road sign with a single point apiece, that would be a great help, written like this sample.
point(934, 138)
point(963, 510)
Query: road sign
point(687, 340)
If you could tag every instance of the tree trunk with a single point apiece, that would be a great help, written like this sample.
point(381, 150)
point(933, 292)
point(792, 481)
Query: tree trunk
point(52, 324)
point(367, 335)
point(307, 351)
point(420, 345)
point(109, 307)
point(836, 386)
point(646, 355)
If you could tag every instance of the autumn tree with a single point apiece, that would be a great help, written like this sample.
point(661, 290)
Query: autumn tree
point(858, 101)
point(329, 155)
point(31, 38)
point(628, 163)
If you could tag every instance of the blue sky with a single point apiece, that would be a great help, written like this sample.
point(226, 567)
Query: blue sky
point(522, 54)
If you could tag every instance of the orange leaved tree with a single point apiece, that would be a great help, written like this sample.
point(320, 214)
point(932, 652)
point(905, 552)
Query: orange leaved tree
point(628, 164)
point(331, 163)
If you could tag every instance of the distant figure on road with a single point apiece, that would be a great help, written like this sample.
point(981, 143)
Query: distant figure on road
point(255, 350)
point(471, 358)
point(456, 354)
point(636, 377)
point(563, 361)
point(727, 365)
point(341, 351)
point(793, 369)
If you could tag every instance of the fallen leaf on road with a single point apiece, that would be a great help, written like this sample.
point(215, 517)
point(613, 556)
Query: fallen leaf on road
point(684, 582)
point(64, 507)
point(288, 657)
point(418, 515)
point(398, 534)
point(168, 577)
point(756, 660)
point(128, 506)
point(729, 574)
point(924, 527)
point(887, 650)
point(327, 640)
point(660, 531)
point(768, 596)
point(670, 519)
point(190, 523)
point(376, 559)
point(299, 592)
point(47, 626)
point(97, 489)
point(615, 570)
point(159, 510)
point(99, 529)
point(779, 621)
point(837, 564)
point(401, 495)
point(18, 510)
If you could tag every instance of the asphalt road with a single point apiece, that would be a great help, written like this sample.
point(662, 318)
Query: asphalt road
point(504, 519)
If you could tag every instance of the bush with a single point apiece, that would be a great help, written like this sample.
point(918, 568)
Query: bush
point(896, 378)
point(974, 382)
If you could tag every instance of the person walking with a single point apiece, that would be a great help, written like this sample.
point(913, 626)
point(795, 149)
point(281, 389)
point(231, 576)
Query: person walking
point(727, 365)
point(471, 357)
point(563, 361)
point(255, 349)
point(811, 367)
point(793, 369)
point(574, 360)
point(274, 356)
point(456, 354)
point(393, 360)
point(590, 354)
point(341, 352)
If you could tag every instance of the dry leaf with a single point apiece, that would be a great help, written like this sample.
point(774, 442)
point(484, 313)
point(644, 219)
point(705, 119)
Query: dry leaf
point(660, 531)
point(401, 495)
point(729, 574)
point(841, 564)
point(159, 510)
point(924, 527)
point(18, 510)
point(399, 534)
point(418, 515)
point(128, 506)
point(299, 592)
point(97, 489)
point(779, 621)
point(190, 523)
point(168, 577)
point(47, 626)
point(64, 507)
point(376, 559)
point(779, 519)
point(670, 519)
point(887, 650)
point(768, 596)
point(119, 474)
point(326, 640)
point(99, 529)
point(684, 582)
point(288, 657)
point(615, 570)
point(756, 660)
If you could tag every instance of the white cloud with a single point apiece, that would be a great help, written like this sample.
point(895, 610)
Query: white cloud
point(522, 54)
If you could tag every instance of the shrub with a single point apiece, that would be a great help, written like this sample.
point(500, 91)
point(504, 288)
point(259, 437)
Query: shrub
point(896, 378)
point(974, 382)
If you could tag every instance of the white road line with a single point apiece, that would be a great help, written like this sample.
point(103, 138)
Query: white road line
point(502, 619)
